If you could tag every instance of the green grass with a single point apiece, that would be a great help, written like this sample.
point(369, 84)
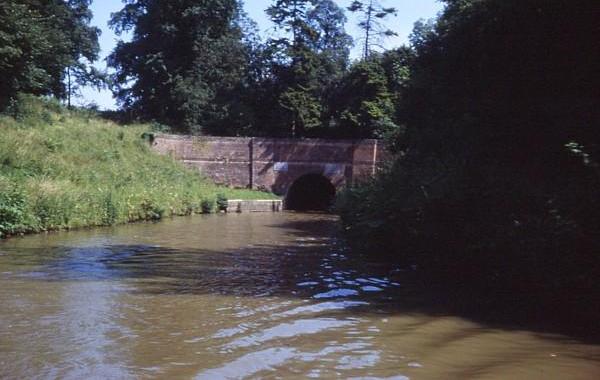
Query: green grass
point(70, 169)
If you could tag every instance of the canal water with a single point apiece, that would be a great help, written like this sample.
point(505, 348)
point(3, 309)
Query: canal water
point(243, 296)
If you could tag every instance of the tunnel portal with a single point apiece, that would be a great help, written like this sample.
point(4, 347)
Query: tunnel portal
point(310, 192)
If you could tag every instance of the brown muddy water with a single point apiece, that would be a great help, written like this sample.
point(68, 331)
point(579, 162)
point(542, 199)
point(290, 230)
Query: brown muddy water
point(243, 296)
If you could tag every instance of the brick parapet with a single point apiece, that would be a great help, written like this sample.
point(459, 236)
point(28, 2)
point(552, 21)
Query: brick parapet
point(274, 164)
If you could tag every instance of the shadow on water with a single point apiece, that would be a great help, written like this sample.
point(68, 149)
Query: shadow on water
point(316, 266)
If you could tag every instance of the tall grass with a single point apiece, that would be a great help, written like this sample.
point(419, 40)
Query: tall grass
point(70, 169)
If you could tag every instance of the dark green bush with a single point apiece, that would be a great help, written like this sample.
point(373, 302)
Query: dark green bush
point(28, 109)
point(151, 210)
point(110, 210)
point(221, 202)
point(52, 211)
point(13, 210)
point(207, 206)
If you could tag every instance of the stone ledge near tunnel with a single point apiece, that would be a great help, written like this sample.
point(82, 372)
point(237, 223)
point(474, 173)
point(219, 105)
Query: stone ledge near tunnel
point(239, 205)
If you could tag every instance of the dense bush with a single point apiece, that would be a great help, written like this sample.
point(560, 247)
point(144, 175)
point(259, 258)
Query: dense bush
point(499, 181)
point(13, 215)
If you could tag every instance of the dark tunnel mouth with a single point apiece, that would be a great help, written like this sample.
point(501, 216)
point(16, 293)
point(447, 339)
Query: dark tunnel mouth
point(310, 192)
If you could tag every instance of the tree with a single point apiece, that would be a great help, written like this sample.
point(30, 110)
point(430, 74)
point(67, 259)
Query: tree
point(308, 58)
point(291, 16)
point(398, 65)
point(84, 50)
point(185, 58)
point(23, 49)
point(371, 14)
point(332, 43)
point(296, 66)
point(43, 43)
point(242, 102)
point(364, 106)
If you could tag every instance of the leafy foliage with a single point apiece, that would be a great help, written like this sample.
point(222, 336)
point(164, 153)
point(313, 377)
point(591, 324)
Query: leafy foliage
point(333, 43)
point(363, 104)
point(297, 67)
point(498, 183)
point(12, 208)
point(184, 59)
point(222, 202)
point(201, 68)
point(43, 42)
point(196, 66)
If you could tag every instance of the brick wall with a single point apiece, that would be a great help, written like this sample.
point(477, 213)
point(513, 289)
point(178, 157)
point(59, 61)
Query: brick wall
point(273, 164)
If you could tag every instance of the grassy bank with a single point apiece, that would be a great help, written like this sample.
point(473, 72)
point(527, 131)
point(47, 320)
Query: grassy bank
point(70, 169)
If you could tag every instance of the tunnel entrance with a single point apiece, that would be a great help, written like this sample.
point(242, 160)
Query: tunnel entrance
point(311, 192)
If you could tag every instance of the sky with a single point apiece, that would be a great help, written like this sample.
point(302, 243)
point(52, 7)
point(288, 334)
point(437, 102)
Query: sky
point(409, 11)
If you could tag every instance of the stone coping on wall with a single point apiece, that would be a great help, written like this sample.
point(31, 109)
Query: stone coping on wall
point(258, 205)
point(283, 140)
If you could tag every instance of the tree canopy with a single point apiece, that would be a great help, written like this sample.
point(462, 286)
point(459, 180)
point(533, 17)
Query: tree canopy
point(199, 66)
point(184, 55)
point(43, 42)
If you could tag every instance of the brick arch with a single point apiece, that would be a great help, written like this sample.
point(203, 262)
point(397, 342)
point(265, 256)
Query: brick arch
point(310, 191)
point(338, 175)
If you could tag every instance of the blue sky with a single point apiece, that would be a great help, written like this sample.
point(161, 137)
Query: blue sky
point(409, 11)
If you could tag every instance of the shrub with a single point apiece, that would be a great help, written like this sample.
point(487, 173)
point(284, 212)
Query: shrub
point(13, 213)
point(52, 211)
point(207, 206)
point(221, 202)
point(110, 211)
point(29, 110)
point(151, 210)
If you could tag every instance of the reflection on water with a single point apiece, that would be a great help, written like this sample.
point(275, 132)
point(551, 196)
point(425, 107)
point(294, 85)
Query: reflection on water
point(243, 296)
